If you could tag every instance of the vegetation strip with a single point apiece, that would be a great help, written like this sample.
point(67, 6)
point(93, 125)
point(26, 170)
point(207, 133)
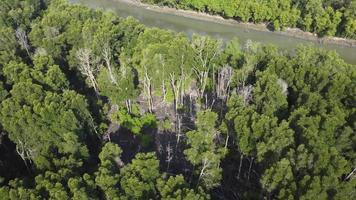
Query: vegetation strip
point(259, 25)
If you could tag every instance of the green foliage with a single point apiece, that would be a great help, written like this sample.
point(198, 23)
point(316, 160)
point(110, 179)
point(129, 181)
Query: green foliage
point(166, 125)
point(82, 187)
point(317, 16)
point(134, 121)
point(108, 175)
point(294, 121)
point(139, 177)
point(232, 53)
point(164, 60)
point(19, 13)
point(30, 116)
point(177, 188)
point(34, 112)
point(203, 152)
point(44, 72)
point(123, 90)
point(3, 92)
point(8, 45)
point(288, 123)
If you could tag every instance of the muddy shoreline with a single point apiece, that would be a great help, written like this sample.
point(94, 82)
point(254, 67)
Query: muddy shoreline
point(291, 32)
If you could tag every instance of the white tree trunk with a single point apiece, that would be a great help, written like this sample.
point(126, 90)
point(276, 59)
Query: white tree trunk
point(169, 156)
point(223, 82)
point(107, 57)
point(88, 67)
point(22, 40)
point(148, 90)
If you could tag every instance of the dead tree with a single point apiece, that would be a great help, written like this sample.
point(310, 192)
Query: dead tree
point(162, 76)
point(249, 169)
point(24, 153)
point(176, 82)
point(223, 82)
point(87, 66)
point(178, 129)
point(119, 162)
point(181, 82)
point(240, 166)
point(175, 88)
point(124, 74)
point(204, 58)
point(350, 175)
point(169, 157)
point(283, 85)
point(107, 55)
point(226, 143)
point(246, 93)
point(147, 85)
point(128, 105)
point(202, 76)
point(22, 40)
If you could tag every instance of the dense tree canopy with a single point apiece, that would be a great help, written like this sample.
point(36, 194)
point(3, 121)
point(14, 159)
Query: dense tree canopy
point(93, 106)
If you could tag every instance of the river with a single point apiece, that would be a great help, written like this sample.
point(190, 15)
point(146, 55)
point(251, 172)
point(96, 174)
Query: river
point(224, 31)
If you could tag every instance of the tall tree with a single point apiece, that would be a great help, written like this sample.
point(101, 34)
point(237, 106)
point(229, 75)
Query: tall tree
point(108, 175)
point(203, 152)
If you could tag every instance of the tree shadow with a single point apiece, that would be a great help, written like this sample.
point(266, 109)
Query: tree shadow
point(131, 144)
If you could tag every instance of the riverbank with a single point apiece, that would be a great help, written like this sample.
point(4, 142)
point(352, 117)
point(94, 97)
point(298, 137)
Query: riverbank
point(291, 32)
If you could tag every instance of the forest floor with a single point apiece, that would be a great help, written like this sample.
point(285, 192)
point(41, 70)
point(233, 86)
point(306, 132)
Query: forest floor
point(292, 32)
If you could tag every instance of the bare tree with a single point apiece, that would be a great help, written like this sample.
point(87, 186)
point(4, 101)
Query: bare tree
point(178, 129)
point(22, 40)
point(226, 143)
point(249, 169)
point(163, 75)
point(283, 85)
point(169, 157)
point(123, 74)
point(202, 76)
point(181, 82)
point(223, 82)
point(245, 92)
point(107, 55)
point(175, 88)
point(128, 105)
point(87, 66)
point(119, 162)
point(240, 166)
point(350, 175)
point(24, 152)
point(176, 82)
point(147, 85)
point(204, 57)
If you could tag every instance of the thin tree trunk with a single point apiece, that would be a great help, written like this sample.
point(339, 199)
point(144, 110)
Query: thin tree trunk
point(350, 174)
point(148, 87)
point(22, 154)
point(179, 125)
point(202, 171)
point(249, 169)
point(226, 142)
point(241, 159)
point(87, 67)
point(22, 40)
point(107, 57)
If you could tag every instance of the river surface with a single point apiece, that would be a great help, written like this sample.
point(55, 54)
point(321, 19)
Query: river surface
point(224, 31)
